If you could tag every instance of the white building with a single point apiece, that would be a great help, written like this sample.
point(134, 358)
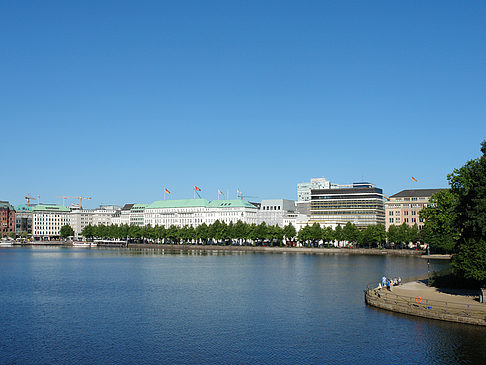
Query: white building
point(137, 214)
point(104, 214)
point(47, 220)
point(274, 211)
point(194, 212)
point(80, 218)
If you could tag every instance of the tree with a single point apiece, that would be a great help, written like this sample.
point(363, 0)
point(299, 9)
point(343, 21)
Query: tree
point(328, 234)
point(338, 234)
point(87, 231)
point(372, 235)
point(315, 233)
point(11, 235)
point(289, 232)
point(469, 185)
point(66, 231)
point(351, 233)
point(439, 230)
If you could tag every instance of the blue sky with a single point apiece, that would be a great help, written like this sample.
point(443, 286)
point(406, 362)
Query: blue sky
point(117, 100)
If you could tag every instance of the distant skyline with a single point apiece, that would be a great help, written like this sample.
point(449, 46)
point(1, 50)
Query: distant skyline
point(119, 100)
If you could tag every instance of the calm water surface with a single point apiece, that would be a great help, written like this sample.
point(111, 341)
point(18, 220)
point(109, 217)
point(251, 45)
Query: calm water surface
point(68, 305)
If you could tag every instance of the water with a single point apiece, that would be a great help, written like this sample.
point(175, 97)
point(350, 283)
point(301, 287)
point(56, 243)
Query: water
point(68, 305)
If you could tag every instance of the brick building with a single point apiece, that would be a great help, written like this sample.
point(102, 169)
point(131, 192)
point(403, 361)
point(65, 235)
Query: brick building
point(7, 218)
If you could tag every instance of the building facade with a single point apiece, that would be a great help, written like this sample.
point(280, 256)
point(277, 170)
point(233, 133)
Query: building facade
point(404, 207)
point(80, 218)
point(23, 218)
point(7, 218)
point(47, 221)
point(194, 212)
point(360, 203)
point(304, 193)
point(137, 214)
point(276, 211)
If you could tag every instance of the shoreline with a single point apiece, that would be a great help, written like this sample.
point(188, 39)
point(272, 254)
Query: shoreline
point(313, 250)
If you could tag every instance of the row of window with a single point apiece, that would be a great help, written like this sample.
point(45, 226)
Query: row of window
point(405, 220)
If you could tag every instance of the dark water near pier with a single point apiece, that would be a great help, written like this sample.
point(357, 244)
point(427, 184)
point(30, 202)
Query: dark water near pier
point(68, 305)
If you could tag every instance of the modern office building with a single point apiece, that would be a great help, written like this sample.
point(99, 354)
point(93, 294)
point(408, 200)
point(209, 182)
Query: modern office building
point(404, 207)
point(23, 218)
point(304, 193)
point(194, 212)
point(360, 203)
point(7, 218)
point(47, 221)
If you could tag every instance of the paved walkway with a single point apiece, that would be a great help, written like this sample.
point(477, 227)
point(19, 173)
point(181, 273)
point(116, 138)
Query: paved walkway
point(417, 288)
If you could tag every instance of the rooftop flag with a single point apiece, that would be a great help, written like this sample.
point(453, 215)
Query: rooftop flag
point(220, 192)
point(167, 191)
point(414, 179)
point(196, 188)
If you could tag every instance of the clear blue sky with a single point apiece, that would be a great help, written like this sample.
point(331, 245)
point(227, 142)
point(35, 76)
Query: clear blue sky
point(117, 100)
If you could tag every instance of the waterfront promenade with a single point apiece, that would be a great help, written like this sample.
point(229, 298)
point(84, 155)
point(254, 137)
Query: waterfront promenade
point(418, 299)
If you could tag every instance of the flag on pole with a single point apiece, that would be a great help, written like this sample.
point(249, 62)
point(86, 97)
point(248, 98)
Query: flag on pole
point(220, 192)
point(196, 188)
point(167, 191)
point(414, 179)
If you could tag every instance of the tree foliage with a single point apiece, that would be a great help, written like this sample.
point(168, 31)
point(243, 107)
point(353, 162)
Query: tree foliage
point(439, 230)
point(66, 231)
point(468, 183)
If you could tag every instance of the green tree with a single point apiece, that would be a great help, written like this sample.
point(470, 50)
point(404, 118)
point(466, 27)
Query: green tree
point(338, 234)
point(11, 235)
point(469, 185)
point(88, 231)
point(66, 231)
point(439, 230)
point(328, 235)
point(315, 234)
point(351, 233)
point(289, 232)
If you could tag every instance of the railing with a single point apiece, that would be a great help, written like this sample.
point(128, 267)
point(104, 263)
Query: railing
point(472, 310)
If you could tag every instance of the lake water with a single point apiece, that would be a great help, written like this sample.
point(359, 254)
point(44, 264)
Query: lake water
point(68, 305)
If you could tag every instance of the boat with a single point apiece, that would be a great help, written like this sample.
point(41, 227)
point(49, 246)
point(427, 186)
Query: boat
point(84, 244)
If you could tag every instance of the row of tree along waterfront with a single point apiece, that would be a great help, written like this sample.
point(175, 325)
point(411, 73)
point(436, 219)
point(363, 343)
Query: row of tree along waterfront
point(242, 233)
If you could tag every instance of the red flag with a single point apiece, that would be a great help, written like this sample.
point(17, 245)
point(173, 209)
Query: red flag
point(414, 179)
point(167, 191)
point(196, 188)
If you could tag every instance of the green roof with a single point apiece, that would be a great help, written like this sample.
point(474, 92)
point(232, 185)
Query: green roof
point(23, 208)
point(192, 203)
point(231, 203)
point(50, 208)
point(181, 203)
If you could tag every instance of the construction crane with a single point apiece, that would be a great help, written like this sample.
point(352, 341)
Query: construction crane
point(74, 197)
point(29, 198)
